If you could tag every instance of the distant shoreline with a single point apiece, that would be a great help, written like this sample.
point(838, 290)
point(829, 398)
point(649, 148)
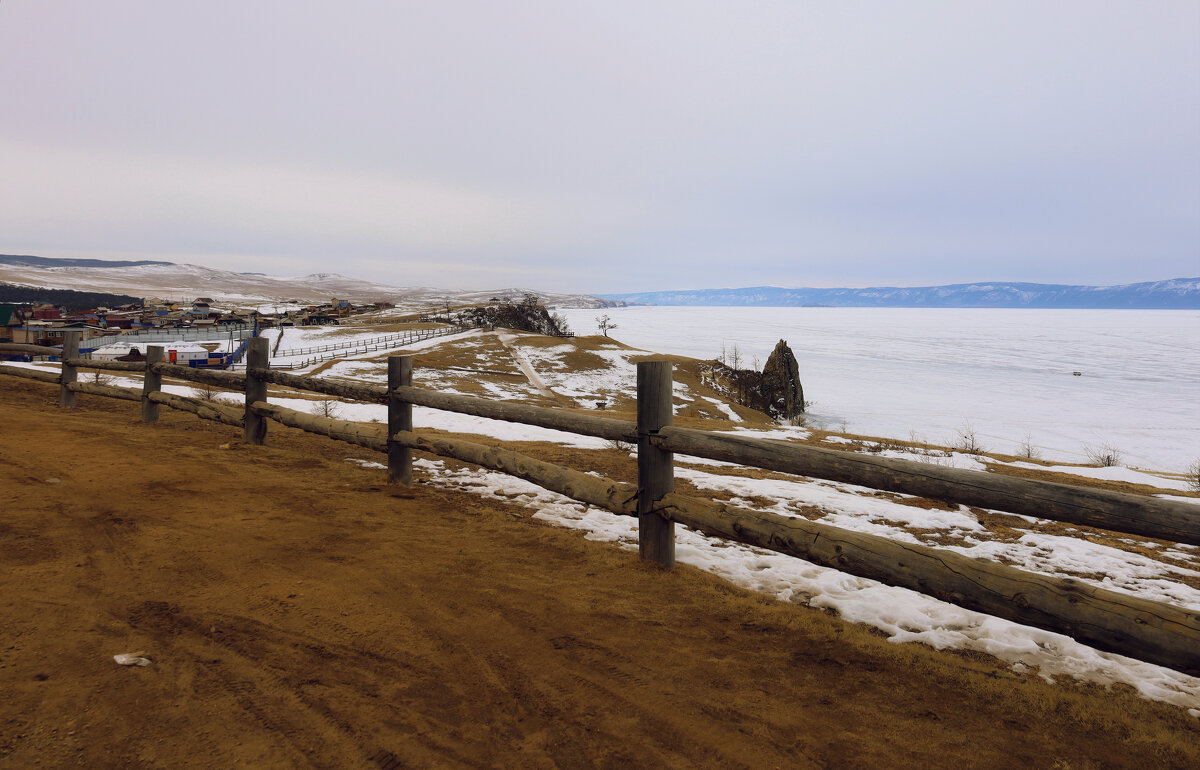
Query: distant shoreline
point(1171, 294)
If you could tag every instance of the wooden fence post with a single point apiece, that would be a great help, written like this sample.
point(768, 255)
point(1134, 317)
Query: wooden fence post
point(399, 418)
point(656, 472)
point(70, 351)
point(257, 357)
point(151, 383)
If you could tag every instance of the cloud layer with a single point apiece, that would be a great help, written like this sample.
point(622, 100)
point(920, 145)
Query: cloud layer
point(609, 146)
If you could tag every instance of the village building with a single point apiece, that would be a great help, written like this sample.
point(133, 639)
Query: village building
point(178, 352)
point(8, 319)
point(50, 333)
point(45, 313)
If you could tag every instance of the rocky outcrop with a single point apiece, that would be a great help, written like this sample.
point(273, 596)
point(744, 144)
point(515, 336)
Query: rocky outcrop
point(776, 390)
point(780, 393)
point(528, 315)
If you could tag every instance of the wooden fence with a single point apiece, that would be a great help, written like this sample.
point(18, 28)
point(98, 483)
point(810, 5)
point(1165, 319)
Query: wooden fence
point(362, 347)
point(379, 342)
point(171, 333)
point(1109, 620)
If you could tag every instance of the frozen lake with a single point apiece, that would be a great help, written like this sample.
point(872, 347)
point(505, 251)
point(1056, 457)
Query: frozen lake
point(905, 372)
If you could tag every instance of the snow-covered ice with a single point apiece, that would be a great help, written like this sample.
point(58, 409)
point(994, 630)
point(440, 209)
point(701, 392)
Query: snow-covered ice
point(1009, 373)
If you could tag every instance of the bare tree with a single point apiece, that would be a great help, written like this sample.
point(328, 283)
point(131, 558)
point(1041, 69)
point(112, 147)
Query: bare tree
point(1027, 450)
point(605, 323)
point(1105, 455)
point(326, 407)
point(735, 357)
point(205, 392)
point(624, 447)
point(1193, 476)
point(967, 440)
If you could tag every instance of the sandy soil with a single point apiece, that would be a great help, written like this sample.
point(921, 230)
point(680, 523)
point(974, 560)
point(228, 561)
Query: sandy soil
point(300, 612)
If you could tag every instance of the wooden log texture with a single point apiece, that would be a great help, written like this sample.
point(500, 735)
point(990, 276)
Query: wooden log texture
point(366, 434)
point(257, 355)
point(35, 350)
point(218, 379)
point(66, 396)
point(1150, 631)
point(151, 383)
point(109, 366)
point(109, 391)
point(399, 419)
point(208, 410)
point(355, 392)
point(555, 419)
point(656, 471)
point(1132, 514)
point(614, 496)
point(30, 374)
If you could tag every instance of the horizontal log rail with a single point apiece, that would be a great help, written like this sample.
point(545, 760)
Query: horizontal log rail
point(108, 366)
point(614, 496)
point(1120, 512)
point(540, 416)
point(1108, 620)
point(364, 434)
point(1151, 631)
point(228, 380)
point(208, 410)
point(353, 391)
point(36, 350)
point(108, 391)
point(30, 374)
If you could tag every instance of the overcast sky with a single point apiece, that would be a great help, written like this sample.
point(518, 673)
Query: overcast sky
point(609, 145)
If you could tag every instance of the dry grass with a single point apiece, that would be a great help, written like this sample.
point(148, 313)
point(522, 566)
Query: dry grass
point(467, 366)
point(1142, 733)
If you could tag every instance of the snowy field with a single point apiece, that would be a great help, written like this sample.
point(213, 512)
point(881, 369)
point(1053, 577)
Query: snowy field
point(927, 373)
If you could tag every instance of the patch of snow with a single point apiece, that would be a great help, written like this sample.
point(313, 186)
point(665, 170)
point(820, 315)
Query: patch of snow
point(730, 415)
point(1112, 473)
point(904, 615)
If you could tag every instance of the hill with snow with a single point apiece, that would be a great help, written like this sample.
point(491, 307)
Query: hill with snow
point(1174, 294)
point(186, 282)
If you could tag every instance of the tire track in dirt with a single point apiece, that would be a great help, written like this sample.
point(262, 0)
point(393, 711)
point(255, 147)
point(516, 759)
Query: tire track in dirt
point(527, 368)
point(379, 671)
point(566, 677)
point(249, 666)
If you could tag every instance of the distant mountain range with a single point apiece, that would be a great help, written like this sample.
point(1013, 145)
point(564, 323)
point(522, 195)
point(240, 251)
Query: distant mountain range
point(28, 261)
point(148, 278)
point(144, 278)
point(1175, 294)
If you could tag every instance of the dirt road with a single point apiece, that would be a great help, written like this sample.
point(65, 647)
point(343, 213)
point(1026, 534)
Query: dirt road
point(300, 612)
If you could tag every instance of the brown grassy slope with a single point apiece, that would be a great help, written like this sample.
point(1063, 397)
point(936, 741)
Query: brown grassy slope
point(481, 365)
point(301, 613)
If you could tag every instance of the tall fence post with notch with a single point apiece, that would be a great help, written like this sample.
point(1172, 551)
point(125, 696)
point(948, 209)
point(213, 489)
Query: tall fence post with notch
point(257, 357)
point(656, 473)
point(151, 383)
point(399, 419)
point(70, 351)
